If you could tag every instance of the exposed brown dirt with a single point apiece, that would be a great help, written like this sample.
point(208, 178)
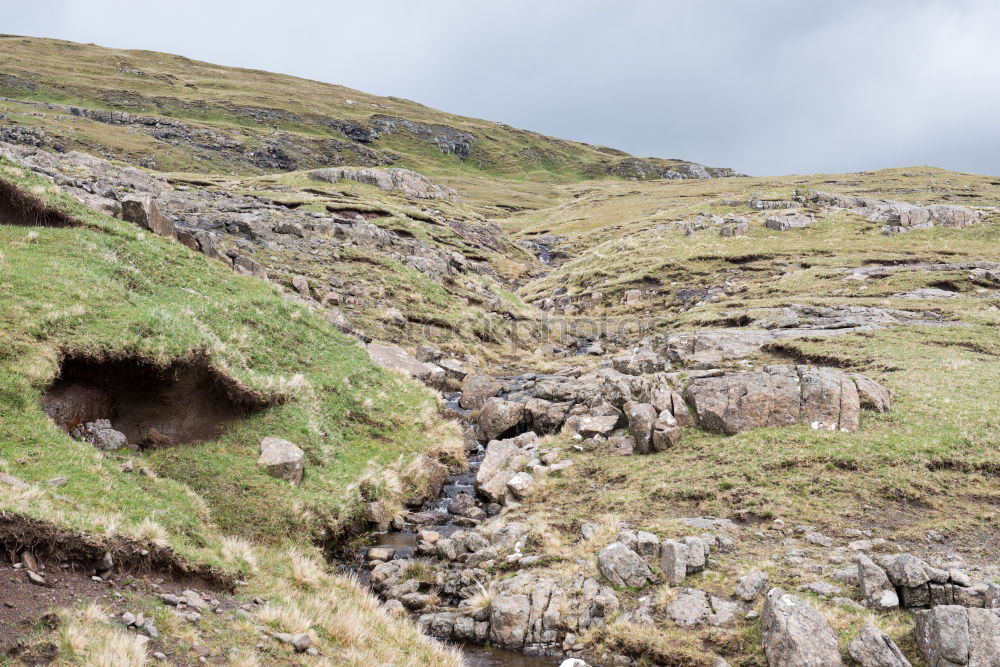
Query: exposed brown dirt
point(20, 208)
point(154, 406)
point(66, 561)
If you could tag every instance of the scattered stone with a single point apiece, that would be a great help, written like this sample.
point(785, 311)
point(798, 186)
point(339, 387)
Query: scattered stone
point(751, 585)
point(281, 459)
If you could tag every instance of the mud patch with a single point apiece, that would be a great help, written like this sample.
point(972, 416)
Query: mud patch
point(20, 208)
point(184, 402)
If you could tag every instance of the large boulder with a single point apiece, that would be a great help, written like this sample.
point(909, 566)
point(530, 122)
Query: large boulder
point(281, 459)
point(642, 420)
point(476, 390)
point(497, 417)
point(509, 616)
point(878, 591)
point(797, 634)
point(779, 396)
point(623, 567)
point(829, 400)
point(874, 648)
point(397, 359)
point(954, 636)
point(142, 211)
point(501, 461)
point(742, 401)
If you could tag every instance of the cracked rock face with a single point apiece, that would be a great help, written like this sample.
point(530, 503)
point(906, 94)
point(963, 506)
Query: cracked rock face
point(797, 634)
point(954, 636)
point(824, 398)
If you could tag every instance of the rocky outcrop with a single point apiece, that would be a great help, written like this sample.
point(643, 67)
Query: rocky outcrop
point(797, 634)
point(623, 567)
point(954, 636)
point(410, 183)
point(767, 326)
point(448, 140)
point(899, 216)
point(397, 359)
point(824, 398)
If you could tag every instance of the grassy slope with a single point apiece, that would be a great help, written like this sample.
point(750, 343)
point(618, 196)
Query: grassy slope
point(930, 464)
point(108, 289)
point(207, 95)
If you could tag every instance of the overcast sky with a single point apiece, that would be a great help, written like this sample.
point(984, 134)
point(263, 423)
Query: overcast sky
point(764, 86)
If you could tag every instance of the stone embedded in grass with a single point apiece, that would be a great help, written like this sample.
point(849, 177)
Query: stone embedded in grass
point(623, 567)
point(790, 220)
point(873, 648)
point(794, 633)
point(142, 211)
point(281, 459)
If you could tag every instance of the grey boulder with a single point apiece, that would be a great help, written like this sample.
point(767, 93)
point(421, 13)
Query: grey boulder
point(797, 634)
point(281, 459)
point(873, 648)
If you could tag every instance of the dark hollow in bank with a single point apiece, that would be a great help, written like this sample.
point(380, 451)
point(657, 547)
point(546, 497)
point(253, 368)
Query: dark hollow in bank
point(186, 401)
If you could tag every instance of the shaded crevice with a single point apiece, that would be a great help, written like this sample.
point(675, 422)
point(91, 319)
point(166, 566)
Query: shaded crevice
point(186, 401)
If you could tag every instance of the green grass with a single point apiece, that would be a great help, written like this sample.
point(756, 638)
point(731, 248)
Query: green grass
point(112, 290)
point(203, 94)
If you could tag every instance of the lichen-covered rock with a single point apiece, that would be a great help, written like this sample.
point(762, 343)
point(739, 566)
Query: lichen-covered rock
point(874, 648)
point(797, 634)
point(877, 589)
point(623, 567)
point(497, 417)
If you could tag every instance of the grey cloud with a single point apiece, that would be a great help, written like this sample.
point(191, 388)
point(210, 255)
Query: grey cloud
point(767, 87)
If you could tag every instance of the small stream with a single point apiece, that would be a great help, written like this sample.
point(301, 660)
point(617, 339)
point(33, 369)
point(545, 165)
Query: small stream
point(404, 543)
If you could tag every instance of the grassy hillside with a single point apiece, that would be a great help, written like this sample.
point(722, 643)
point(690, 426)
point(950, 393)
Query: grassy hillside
point(105, 290)
point(212, 115)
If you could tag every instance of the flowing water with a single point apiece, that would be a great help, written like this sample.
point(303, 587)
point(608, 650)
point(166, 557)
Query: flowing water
point(404, 543)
